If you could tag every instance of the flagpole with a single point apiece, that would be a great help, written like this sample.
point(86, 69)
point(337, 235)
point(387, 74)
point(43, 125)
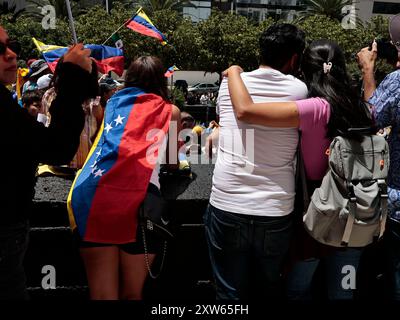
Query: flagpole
point(123, 25)
point(71, 21)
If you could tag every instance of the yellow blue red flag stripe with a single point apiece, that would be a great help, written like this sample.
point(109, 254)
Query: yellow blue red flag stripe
point(142, 24)
point(107, 58)
point(170, 71)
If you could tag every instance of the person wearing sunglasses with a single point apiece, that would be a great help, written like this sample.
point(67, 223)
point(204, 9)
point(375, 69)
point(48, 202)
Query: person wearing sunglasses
point(24, 142)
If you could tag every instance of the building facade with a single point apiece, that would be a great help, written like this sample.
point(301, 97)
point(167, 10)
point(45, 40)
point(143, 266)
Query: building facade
point(259, 10)
point(200, 11)
point(369, 8)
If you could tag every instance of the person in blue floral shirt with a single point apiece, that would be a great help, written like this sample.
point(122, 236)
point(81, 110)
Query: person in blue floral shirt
point(384, 101)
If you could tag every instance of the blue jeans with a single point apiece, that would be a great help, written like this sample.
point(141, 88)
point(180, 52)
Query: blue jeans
point(392, 257)
point(242, 246)
point(13, 245)
point(340, 266)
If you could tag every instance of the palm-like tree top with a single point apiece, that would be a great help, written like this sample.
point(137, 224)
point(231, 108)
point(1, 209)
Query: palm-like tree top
point(330, 8)
point(156, 5)
point(13, 7)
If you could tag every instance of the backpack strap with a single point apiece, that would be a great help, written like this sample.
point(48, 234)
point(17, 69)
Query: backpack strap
point(384, 200)
point(352, 205)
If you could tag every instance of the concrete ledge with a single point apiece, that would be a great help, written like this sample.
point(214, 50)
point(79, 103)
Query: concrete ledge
point(186, 274)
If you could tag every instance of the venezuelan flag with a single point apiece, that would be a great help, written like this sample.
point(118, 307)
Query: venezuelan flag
point(141, 23)
point(171, 71)
point(107, 58)
point(107, 192)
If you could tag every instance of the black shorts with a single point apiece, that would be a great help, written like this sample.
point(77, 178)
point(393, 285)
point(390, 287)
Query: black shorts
point(153, 242)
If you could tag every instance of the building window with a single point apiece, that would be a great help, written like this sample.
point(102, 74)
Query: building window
point(386, 8)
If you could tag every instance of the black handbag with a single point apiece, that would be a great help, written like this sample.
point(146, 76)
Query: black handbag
point(153, 214)
point(152, 218)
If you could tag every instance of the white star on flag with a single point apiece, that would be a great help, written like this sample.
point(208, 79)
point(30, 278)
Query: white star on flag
point(108, 127)
point(119, 120)
point(99, 173)
point(94, 164)
point(94, 169)
point(98, 153)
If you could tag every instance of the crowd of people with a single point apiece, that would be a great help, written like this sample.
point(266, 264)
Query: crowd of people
point(204, 98)
point(251, 227)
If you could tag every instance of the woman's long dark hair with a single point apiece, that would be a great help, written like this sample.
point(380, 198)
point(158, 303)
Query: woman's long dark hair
point(347, 108)
point(147, 73)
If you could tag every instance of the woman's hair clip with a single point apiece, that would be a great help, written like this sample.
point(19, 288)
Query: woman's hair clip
point(327, 67)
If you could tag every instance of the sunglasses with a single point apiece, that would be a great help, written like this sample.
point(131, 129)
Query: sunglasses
point(13, 45)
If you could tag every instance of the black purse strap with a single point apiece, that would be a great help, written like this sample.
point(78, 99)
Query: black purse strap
point(147, 224)
point(146, 256)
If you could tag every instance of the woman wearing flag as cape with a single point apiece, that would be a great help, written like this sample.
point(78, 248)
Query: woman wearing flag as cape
point(121, 169)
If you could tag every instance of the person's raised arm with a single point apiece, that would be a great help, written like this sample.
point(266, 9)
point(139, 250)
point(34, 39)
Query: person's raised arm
point(273, 114)
point(58, 143)
point(366, 61)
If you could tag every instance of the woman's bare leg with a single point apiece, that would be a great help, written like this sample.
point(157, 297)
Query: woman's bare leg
point(133, 275)
point(102, 270)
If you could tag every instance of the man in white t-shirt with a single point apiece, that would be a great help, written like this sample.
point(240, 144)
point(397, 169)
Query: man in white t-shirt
point(248, 221)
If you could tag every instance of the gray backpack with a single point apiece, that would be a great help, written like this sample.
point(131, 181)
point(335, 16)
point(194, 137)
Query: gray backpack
point(350, 207)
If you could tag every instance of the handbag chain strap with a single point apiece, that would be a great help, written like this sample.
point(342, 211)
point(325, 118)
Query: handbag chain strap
point(146, 256)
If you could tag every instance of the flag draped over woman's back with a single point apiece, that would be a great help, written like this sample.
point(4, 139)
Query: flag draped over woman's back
point(107, 192)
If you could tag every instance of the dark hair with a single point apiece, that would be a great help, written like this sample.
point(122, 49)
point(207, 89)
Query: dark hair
point(147, 73)
point(30, 97)
point(103, 89)
point(93, 86)
point(279, 43)
point(347, 108)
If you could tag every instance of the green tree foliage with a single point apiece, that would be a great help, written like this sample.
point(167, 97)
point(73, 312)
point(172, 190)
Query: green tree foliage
point(211, 45)
point(11, 9)
point(228, 39)
point(96, 26)
point(351, 41)
point(158, 5)
point(182, 35)
point(328, 8)
point(24, 28)
point(178, 98)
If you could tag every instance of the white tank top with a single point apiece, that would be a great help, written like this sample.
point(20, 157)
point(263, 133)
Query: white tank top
point(154, 179)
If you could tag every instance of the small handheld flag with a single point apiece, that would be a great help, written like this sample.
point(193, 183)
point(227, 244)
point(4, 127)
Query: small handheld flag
point(171, 71)
point(117, 40)
point(141, 23)
point(44, 47)
point(107, 58)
